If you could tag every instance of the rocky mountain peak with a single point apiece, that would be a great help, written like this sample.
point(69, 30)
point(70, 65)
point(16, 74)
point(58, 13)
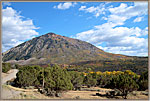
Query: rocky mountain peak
point(55, 48)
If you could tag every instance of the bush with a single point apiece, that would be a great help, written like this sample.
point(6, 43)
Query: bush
point(104, 81)
point(51, 79)
point(54, 80)
point(76, 79)
point(143, 81)
point(58, 79)
point(90, 81)
point(124, 83)
point(27, 76)
point(6, 67)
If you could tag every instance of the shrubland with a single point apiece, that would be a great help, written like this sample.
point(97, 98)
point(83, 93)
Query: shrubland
point(8, 66)
point(53, 80)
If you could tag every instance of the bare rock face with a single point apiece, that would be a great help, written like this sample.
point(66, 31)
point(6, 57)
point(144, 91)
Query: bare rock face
point(59, 49)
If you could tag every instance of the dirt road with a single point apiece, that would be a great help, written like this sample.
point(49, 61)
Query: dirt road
point(6, 92)
point(11, 74)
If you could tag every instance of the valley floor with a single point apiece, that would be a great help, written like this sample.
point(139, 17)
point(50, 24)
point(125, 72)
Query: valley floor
point(9, 92)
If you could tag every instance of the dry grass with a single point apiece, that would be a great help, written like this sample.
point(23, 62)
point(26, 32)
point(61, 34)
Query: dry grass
point(20, 89)
point(82, 95)
point(34, 94)
point(73, 95)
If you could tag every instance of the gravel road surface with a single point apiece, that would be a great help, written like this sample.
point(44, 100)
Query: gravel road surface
point(11, 75)
point(6, 92)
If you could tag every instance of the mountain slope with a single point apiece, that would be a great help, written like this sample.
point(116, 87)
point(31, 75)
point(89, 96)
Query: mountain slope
point(53, 48)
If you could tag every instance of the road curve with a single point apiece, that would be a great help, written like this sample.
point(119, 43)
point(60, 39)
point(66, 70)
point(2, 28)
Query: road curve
point(10, 76)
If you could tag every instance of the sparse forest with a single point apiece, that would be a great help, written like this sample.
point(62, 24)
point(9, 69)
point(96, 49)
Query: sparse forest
point(54, 80)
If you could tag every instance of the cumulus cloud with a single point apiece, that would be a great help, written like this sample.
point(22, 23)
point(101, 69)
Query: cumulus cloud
point(120, 13)
point(138, 19)
point(123, 12)
point(127, 12)
point(97, 11)
point(15, 30)
point(117, 39)
point(107, 33)
point(65, 5)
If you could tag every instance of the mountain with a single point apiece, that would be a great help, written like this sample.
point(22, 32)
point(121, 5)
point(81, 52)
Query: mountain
point(53, 48)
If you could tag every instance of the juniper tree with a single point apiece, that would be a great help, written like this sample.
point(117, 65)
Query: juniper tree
point(76, 79)
point(124, 83)
point(27, 76)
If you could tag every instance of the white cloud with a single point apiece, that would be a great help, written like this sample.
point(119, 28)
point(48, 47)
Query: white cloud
point(119, 9)
point(97, 11)
point(138, 19)
point(119, 37)
point(106, 33)
point(119, 40)
point(137, 9)
point(118, 14)
point(116, 19)
point(65, 5)
point(123, 12)
point(82, 8)
point(125, 50)
point(15, 30)
point(144, 32)
point(6, 3)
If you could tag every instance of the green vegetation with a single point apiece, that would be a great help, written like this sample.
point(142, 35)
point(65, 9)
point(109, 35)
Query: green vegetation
point(27, 76)
point(6, 67)
point(137, 65)
point(53, 80)
point(50, 79)
point(76, 79)
point(89, 80)
point(143, 81)
point(56, 79)
point(124, 83)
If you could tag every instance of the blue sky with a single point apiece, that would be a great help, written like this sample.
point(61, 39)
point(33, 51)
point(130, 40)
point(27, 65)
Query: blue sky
point(116, 27)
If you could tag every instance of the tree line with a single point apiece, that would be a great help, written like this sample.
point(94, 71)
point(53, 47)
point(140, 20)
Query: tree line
point(53, 80)
point(138, 65)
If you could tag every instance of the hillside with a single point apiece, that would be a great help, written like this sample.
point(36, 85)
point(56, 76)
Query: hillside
point(53, 48)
